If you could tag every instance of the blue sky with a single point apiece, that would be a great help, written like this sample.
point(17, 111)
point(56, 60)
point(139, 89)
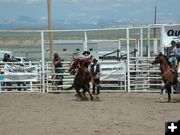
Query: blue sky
point(91, 11)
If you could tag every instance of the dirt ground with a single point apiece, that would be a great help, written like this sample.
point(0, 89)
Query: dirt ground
point(60, 114)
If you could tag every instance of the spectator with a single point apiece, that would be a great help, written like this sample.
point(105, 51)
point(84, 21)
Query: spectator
point(57, 62)
point(171, 53)
point(95, 71)
point(7, 59)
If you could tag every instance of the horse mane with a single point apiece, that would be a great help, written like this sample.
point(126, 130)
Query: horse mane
point(166, 58)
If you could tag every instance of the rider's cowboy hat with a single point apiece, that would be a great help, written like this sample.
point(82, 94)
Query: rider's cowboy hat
point(86, 53)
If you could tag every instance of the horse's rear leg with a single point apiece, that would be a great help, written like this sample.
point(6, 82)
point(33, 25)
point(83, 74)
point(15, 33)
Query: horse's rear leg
point(84, 94)
point(169, 92)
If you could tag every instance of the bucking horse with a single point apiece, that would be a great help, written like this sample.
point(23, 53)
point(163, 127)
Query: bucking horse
point(81, 79)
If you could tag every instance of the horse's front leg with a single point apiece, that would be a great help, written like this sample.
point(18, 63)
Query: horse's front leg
point(167, 86)
point(169, 92)
point(90, 95)
point(84, 94)
point(79, 94)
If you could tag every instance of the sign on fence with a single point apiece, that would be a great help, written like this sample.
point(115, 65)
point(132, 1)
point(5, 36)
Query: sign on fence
point(113, 71)
point(19, 73)
point(170, 33)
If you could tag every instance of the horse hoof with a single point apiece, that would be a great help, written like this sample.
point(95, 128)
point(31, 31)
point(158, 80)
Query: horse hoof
point(86, 99)
point(98, 99)
point(92, 99)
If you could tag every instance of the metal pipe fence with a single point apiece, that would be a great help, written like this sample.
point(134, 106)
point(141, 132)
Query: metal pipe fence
point(16, 77)
point(138, 76)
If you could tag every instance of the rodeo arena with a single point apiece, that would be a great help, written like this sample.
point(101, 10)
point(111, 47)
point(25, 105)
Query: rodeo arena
point(133, 97)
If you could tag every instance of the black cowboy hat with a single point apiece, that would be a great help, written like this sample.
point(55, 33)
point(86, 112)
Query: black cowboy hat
point(94, 60)
point(86, 53)
point(5, 54)
point(178, 44)
point(173, 42)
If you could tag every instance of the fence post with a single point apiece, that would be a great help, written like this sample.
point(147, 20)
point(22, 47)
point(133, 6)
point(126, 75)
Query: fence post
point(155, 43)
point(162, 39)
point(141, 42)
point(85, 41)
point(149, 38)
point(128, 62)
point(0, 87)
point(42, 61)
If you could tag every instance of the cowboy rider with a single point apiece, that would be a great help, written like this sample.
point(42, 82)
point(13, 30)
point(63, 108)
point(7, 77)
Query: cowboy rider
point(86, 58)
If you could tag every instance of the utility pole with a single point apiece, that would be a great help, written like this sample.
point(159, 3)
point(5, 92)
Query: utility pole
point(51, 36)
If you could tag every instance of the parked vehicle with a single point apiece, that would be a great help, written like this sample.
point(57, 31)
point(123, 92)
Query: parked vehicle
point(24, 61)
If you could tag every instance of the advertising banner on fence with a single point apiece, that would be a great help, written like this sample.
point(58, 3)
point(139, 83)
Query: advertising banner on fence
point(19, 73)
point(113, 71)
point(170, 33)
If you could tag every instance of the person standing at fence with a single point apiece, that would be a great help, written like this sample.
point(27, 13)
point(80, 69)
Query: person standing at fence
point(95, 71)
point(7, 59)
point(57, 62)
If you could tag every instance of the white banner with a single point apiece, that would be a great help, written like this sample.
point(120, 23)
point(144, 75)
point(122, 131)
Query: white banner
point(19, 73)
point(113, 71)
point(170, 33)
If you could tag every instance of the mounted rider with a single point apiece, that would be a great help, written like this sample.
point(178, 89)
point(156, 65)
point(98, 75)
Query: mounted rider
point(86, 58)
point(171, 53)
point(174, 55)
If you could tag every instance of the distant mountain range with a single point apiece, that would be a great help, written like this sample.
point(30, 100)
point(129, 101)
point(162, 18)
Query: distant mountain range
point(26, 22)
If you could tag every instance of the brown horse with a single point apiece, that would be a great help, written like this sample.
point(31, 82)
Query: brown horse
point(82, 78)
point(169, 74)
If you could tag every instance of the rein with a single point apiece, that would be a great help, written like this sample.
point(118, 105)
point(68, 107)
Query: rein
point(169, 70)
point(166, 73)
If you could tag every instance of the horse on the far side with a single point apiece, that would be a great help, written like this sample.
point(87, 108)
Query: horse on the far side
point(169, 74)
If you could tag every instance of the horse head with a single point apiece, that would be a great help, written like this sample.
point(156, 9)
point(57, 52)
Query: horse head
point(75, 64)
point(160, 58)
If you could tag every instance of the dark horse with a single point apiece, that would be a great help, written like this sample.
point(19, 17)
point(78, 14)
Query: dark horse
point(82, 78)
point(169, 74)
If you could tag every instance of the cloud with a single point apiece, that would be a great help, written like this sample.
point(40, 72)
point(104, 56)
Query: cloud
point(101, 3)
point(43, 18)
